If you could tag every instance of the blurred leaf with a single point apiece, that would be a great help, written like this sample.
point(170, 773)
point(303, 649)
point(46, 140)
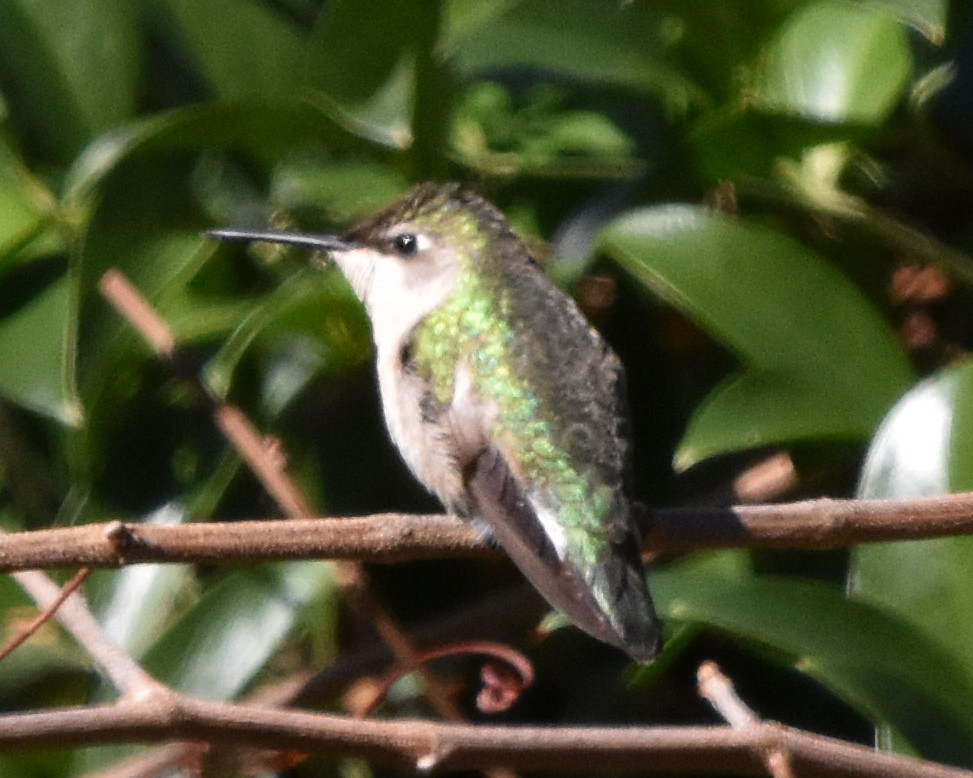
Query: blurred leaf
point(362, 56)
point(314, 324)
point(344, 191)
point(150, 213)
point(261, 130)
point(496, 130)
point(876, 662)
point(837, 61)
point(23, 205)
point(927, 16)
point(216, 42)
point(818, 360)
point(923, 448)
point(227, 638)
point(70, 68)
point(136, 603)
point(732, 144)
point(37, 348)
point(702, 37)
point(622, 44)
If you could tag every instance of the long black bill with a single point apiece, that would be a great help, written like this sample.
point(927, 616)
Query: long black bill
point(313, 241)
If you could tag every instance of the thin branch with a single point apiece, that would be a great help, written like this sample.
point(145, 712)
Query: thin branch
point(718, 690)
point(46, 614)
point(75, 616)
point(426, 745)
point(394, 537)
point(133, 307)
point(818, 524)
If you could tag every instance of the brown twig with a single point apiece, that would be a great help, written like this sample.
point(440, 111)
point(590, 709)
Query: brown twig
point(130, 303)
point(45, 615)
point(73, 614)
point(430, 745)
point(718, 691)
point(504, 678)
point(391, 537)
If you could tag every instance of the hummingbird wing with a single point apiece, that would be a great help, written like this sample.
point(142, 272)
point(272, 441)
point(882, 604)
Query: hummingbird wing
point(502, 503)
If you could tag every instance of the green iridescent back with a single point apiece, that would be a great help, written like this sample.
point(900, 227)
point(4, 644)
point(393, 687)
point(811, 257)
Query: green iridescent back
point(557, 390)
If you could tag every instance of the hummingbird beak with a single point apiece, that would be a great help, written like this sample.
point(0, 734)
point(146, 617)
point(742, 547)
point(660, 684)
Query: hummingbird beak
point(313, 241)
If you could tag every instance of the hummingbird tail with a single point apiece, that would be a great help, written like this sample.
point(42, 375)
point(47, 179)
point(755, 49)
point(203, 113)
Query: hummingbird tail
point(613, 605)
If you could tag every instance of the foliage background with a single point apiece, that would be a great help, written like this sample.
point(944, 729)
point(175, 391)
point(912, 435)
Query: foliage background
point(763, 204)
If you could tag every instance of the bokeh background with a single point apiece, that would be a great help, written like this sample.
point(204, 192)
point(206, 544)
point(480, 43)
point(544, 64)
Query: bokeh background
point(765, 205)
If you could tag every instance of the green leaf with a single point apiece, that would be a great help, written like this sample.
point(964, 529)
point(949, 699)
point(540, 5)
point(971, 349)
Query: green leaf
point(624, 45)
point(818, 361)
point(37, 347)
point(24, 203)
point(311, 325)
point(729, 145)
point(363, 62)
point(227, 638)
point(875, 661)
point(70, 68)
point(251, 51)
point(927, 16)
point(836, 61)
point(135, 604)
point(923, 448)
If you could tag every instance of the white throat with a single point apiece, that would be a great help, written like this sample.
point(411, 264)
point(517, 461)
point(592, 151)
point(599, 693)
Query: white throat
point(397, 295)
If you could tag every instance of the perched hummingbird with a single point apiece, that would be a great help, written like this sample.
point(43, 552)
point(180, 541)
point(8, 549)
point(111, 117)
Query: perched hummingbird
point(501, 398)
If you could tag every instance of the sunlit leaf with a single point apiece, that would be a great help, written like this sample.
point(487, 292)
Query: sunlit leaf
point(924, 448)
point(818, 361)
point(837, 62)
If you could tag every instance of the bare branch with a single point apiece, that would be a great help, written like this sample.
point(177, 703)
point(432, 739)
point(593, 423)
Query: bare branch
point(718, 690)
point(46, 614)
point(73, 614)
point(428, 745)
point(394, 537)
point(136, 310)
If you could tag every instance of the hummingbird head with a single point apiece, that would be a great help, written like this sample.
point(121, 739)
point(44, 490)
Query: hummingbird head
point(405, 261)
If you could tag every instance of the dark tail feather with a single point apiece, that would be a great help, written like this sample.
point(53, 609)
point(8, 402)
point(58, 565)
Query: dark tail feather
point(500, 500)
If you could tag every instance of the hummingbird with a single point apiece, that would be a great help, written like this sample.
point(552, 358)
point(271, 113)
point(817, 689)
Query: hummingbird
point(501, 398)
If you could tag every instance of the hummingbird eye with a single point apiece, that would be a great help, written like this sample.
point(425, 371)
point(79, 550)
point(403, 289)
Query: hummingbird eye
point(406, 243)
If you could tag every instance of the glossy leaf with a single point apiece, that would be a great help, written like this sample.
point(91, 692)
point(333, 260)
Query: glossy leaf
point(837, 62)
point(818, 361)
point(220, 644)
point(923, 448)
point(875, 661)
point(69, 68)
